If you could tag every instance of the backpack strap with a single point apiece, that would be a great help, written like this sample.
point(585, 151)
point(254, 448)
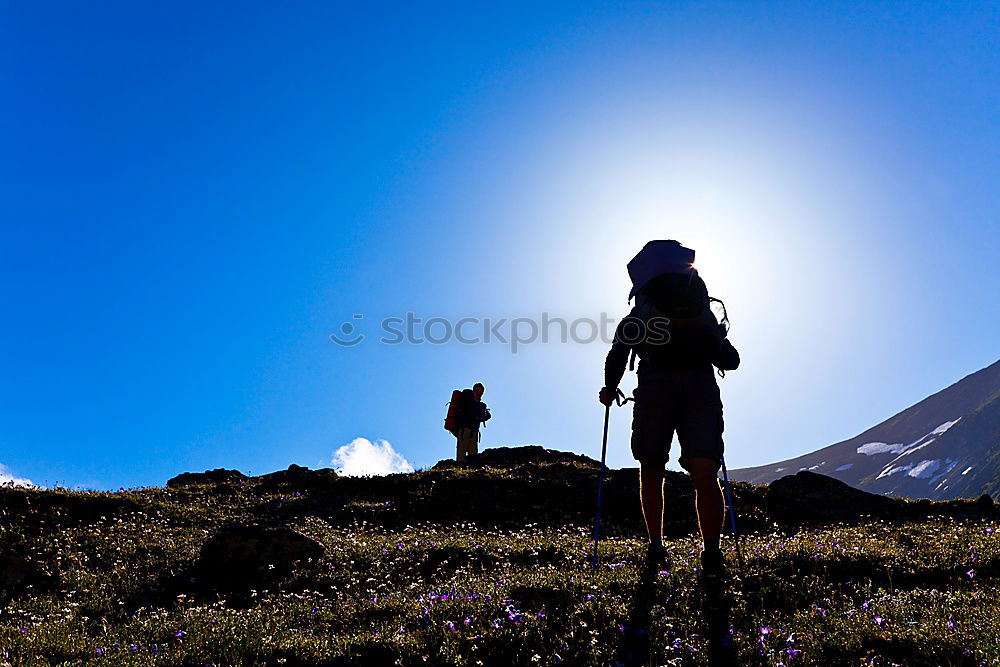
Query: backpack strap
point(643, 314)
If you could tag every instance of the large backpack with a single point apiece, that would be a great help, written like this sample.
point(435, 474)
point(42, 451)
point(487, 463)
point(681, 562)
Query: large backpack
point(454, 412)
point(680, 329)
point(462, 409)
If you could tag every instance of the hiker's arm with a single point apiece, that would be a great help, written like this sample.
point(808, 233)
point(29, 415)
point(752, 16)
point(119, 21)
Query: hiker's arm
point(617, 359)
point(727, 359)
point(614, 365)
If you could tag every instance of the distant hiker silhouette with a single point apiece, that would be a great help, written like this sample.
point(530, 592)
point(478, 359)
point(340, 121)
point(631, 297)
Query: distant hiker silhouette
point(678, 339)
point(466, 412)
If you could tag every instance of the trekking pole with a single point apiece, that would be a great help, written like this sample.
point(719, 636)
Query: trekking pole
point(600, 486)
point(732, 511)
point(600, 478)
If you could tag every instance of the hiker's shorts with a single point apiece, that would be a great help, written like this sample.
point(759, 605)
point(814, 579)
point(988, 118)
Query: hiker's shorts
point(687, 402)
point(468, 443)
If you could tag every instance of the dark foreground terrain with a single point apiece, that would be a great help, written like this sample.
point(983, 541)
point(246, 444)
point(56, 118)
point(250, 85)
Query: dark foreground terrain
point(484, 563)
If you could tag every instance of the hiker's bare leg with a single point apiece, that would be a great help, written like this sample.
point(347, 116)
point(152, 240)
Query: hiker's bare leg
point(651, 495)
point(708, 496)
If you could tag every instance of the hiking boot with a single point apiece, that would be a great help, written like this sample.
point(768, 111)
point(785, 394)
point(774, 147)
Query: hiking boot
point(712, 563)
point(656, 555)
point(712, 570)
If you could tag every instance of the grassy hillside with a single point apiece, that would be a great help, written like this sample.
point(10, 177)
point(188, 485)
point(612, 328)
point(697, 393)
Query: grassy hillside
point(483, 565)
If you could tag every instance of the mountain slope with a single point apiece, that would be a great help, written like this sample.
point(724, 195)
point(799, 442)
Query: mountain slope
point(946, 446)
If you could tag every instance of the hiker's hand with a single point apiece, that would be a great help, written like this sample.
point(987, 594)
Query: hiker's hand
point(607, 396)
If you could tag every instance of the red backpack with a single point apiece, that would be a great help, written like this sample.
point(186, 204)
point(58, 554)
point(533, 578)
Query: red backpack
point(454, 410)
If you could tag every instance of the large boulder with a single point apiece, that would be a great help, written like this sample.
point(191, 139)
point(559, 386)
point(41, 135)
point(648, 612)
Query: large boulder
point(506, 457)
point(216, 476)
point(296, 477)
point(809, 496)
point(244, 557)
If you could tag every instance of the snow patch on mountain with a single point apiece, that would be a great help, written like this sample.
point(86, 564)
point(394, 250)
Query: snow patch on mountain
point(846, 466)
point(931, 469)
point(934, 469)
point(872, 448)
point(875, 448)
point(925, 469)
point(944, 427)
point(949, 465)
point(889, 471)
point(914, 449)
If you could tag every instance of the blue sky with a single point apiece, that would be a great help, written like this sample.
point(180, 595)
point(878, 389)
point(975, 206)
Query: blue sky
point(195, 197)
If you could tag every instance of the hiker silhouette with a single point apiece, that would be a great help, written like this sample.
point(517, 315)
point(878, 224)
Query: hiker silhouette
point(465, 414)
point(678, 339)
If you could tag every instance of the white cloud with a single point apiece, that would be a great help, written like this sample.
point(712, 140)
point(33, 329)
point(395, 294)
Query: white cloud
point(363, 457)
point(6, 478)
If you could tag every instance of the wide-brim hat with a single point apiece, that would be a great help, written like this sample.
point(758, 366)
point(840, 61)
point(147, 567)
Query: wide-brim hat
point(657, 258)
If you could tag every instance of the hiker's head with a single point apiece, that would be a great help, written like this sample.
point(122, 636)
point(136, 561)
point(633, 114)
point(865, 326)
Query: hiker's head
point(478, 390)
point(657, 258)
